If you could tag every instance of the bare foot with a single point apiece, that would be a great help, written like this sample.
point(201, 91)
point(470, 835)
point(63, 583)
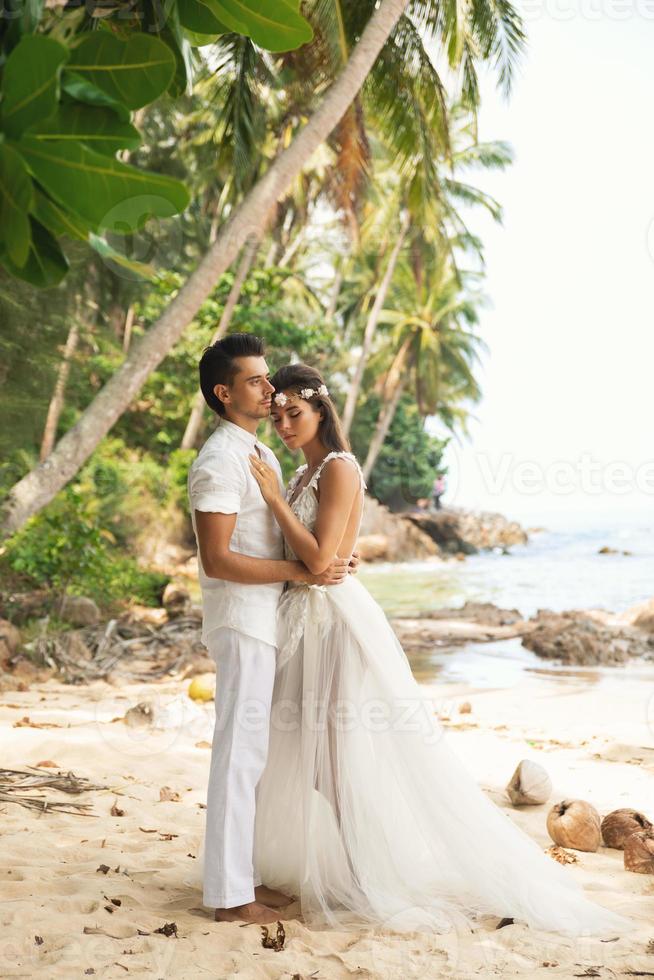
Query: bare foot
point(251, 912)
point(271, 897)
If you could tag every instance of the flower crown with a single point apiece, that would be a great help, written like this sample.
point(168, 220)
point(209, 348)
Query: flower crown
point(281, 398)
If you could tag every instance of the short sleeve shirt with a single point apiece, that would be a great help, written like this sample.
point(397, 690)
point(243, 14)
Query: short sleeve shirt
point(220, 481)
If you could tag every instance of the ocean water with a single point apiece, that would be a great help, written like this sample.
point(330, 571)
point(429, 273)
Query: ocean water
point(559, 568)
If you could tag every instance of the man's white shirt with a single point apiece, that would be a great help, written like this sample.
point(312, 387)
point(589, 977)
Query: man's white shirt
point(220, 481)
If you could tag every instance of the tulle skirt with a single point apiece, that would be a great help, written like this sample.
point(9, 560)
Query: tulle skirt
point(366, 812)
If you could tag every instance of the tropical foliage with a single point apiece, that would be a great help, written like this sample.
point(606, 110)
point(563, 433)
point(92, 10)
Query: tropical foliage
point(345, 194)
point(71, 77)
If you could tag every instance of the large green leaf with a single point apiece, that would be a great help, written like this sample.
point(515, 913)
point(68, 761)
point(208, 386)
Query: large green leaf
point(275, 25)
point(107, 251)
point(16, 196)
point(96, 126)
point(134, 72)
point(30, 82)
point(46, 264)
point(103, 191)
point(196, 16)
point(58, 220)
point(81, 90)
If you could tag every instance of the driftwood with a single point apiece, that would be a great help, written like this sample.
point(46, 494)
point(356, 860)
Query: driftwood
point(134, 650)
point(13, 783)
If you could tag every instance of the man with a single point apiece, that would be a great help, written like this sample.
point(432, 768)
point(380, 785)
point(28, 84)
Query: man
point(241, 571)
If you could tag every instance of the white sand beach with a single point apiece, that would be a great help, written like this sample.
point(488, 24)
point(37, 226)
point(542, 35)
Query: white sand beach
point(84, 894)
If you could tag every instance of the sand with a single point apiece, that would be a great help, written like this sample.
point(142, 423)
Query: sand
point(594, 735)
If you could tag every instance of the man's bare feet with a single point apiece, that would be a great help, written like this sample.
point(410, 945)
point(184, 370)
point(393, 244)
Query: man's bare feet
point(271, 897)
point(250, 912)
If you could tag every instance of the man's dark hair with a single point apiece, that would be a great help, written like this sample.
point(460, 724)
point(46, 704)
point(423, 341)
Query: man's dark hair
point(218, 364)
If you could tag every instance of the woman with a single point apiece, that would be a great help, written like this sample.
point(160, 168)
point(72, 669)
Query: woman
point(364, 810)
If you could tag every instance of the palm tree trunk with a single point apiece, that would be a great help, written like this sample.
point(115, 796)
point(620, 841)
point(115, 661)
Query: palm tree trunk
point(127, 329)
point(57, 401)
point(38, 487)
point(330, 312)
point(247, 258)
point(394, 385)
point(386, 416)
point(371, 326)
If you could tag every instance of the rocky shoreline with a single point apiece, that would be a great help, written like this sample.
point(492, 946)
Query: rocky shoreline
point(151, 644)
point(582, 637)
point(450, 533)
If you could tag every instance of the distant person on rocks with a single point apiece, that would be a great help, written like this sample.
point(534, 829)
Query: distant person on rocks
point(438, 490)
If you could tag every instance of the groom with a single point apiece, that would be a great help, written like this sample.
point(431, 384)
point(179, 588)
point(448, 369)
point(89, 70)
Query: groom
point(241, 571)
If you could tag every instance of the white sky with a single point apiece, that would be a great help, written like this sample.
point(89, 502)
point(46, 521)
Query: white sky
point(570, 275)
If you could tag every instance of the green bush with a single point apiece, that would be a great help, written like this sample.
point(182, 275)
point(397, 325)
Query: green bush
point(66, 549)
point(409, 459)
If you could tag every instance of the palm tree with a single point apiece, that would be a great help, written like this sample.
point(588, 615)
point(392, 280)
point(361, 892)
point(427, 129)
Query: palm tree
point(431, 349)
point(484, 29)
point(426, 200)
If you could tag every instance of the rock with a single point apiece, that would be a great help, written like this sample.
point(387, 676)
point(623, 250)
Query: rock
point(405, 542)
point(200, 664)
point(460, 531)
point(76, 648)
point(10, 640)
point(154, 615)
point(373, 547)
point(486, 613)
point(573, 637)
point(80, 611)
point(422, 635)
point(141, 715)
point(10, 635)
point(642, 616)
point(176, 601)
point(22, 606)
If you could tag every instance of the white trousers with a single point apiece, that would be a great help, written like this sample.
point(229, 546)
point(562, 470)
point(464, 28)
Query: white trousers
point(245, 675)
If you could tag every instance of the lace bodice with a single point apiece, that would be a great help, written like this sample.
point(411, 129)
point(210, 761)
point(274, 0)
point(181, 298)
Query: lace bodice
point(305, 505)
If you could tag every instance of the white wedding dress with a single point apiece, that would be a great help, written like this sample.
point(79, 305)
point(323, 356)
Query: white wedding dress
point(364, 810)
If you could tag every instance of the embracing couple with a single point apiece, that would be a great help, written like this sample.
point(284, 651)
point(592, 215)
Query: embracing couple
point(331, 781)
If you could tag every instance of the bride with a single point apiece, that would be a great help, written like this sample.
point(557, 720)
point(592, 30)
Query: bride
point(364, 810)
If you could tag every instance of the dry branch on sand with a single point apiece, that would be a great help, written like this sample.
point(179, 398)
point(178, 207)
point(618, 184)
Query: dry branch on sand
point(134, 650)
point(14, 782)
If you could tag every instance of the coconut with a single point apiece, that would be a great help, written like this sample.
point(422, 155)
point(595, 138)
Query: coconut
point(639, 852)
point(576, 824)
point(620, 824)
point(529, 785)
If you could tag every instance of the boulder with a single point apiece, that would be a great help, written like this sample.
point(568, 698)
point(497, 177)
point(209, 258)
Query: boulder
point(10, 641)
point(372, 547)
point(80, 611)
point(642, 616)
point(176, 601)
point(574, 637)
point(404, 541)
point(457, 530)
point(486, 613)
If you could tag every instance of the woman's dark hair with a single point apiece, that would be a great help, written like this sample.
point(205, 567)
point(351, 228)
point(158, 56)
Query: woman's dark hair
point(218, 364)
point(295, 377)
